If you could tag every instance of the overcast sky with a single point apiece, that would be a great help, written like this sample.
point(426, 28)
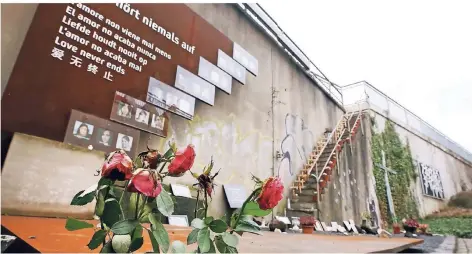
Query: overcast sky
point(417, 52)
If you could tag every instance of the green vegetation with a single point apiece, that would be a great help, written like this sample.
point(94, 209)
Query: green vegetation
point(456, 219)
point(398, 157)
point(458, 226)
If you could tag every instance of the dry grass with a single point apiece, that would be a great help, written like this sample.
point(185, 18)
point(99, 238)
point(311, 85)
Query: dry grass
point(461, 199)
point(449, 212)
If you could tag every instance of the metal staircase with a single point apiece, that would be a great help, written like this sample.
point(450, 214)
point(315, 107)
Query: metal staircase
point(312, 180)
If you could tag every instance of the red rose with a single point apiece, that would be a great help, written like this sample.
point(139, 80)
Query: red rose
point(144, 182)
point(117, 166)
point(271, 193)
point(182, 162)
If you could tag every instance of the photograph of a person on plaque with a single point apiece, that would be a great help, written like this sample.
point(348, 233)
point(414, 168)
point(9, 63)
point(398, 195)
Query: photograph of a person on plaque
point(104, 137)
point(124, 142)
point(142, 116)
point(83, 130)
point(158, 122)
point(124, 109)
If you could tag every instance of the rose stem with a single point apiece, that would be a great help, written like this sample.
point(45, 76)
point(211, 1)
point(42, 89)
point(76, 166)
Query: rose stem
point(196, 203)
point(244, 206)
point(101, 220)
point(206, 204)
point(162, 167)
point(121, 197)
point(142, 207)
point(137, 203)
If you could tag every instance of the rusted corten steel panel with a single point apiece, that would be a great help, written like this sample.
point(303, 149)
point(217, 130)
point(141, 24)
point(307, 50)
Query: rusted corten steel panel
point(42, 90)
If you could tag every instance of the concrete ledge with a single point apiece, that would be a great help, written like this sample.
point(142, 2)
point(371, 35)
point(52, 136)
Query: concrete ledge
point(41, 176)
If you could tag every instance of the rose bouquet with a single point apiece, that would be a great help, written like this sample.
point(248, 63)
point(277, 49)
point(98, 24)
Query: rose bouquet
point(143, 181)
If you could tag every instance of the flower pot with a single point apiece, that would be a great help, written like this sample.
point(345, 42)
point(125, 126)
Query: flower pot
point(277, 224)
point(409, 229)
point(322, 184)
point(308, 229)
point(396, 229)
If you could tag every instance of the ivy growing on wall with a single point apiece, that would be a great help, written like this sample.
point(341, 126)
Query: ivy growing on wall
point(398, 157)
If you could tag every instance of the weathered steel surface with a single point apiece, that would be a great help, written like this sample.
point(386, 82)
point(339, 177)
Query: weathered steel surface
point(42, 90)
point(51, 236)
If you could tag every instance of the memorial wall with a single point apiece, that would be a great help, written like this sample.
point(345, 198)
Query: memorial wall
point(104, 76)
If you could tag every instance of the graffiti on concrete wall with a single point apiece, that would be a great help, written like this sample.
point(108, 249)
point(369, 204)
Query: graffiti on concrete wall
point(296, 145)
point(431, 181)
point(231, 145)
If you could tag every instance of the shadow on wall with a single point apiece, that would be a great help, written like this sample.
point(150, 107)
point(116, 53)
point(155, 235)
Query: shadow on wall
point(296, 146)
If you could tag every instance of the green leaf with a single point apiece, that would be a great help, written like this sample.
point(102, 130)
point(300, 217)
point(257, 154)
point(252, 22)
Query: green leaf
point(124, 227)
point(231, 249)
point(159, 232)
point(252, 208)
point(204, 240)
point(107, 248)
point(168, 154)
point(132, 202)
point(136, 244)
point(177, 247)
point(230, 239)
point(218, 226)
point(112, 212)
point(80, 201)
point(100, 206)
point(104, 181)
point(212, 247)
point(198, 223)
point(208, 220)
point(143, 218)
point(138, 232)
point(73, 224)
point(155, 244)
point(192, 237)
point(97, 239)
point(223, 247)
point(242, 227)
point(220, 244)
point(165, 204)
point(249, 222)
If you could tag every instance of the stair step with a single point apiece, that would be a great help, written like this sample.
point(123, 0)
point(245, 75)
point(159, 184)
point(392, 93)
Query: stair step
point(307, 192)
point(303, 206)
point(300, 213)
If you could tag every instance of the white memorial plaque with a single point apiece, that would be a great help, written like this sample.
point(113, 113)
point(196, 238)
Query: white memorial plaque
point(181, 190)
point(245, 59)
point(283, 219)
point(215, 75)
point(178, 220)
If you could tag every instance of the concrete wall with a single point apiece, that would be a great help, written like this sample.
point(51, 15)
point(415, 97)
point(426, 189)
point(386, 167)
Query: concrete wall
point(352, 185)
point(455, 174)
point(40, 177)
point(279, 110)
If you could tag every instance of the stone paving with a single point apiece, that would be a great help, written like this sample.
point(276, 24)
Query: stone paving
point(464, 245)
point(447, 246)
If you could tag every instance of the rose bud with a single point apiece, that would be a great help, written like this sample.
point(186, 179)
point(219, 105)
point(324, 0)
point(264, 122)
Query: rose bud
point(117, 166)
point(271, 193)
point(182, 162)
point(152, 158)
point(145, 183)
